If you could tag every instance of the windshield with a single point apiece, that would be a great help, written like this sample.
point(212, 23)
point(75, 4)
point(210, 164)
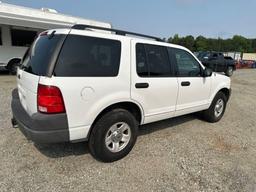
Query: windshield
point(37, 59)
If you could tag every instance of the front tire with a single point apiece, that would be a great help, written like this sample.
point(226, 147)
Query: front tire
point(229, 71)
point(113, 135)
point(217, 108)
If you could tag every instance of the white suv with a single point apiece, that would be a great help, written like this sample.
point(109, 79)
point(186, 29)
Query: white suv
point(80, 84)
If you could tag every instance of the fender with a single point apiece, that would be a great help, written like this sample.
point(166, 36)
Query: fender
point(219, 82)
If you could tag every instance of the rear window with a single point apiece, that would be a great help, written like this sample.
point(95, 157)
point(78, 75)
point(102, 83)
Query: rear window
point(88, 57)
point(37, 59)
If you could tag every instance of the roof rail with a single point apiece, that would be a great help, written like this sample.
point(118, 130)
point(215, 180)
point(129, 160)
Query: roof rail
point(118, 32)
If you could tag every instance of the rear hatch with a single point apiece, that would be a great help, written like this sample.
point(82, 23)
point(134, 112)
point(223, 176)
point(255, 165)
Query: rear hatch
point(37, 61)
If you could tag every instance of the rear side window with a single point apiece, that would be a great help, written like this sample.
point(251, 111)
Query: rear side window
point(22, 38)
point(37, 59)
point(88, 57)
point(1, 43)
point(141, 61)
point(152, 61)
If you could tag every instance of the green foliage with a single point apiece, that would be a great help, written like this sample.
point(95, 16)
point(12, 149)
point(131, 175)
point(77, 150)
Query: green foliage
point(237, 43)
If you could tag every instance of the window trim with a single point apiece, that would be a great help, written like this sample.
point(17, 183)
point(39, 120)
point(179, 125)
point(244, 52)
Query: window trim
point(176, 64)
point(172, 67)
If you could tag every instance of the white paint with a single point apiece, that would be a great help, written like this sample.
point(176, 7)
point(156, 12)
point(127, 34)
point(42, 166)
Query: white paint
point(27, 84)
point(86, 97)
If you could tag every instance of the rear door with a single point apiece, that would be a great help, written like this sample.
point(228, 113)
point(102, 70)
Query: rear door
point(153, 83)
point(92, 72)
point(194, 90)
point(35, 63)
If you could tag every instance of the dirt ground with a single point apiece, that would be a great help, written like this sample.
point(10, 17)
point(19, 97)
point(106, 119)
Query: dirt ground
point(180, 154)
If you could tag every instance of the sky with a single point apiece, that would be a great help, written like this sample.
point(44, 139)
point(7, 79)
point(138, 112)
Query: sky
point(163, 18)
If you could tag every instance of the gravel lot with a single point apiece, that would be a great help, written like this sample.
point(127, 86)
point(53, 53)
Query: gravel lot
point(180, 154)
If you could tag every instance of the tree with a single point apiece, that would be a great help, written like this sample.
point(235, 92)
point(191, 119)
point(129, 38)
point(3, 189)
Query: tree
point(169, 40)
point(189, 42)
point(237, 43)
point(254, 45)
point(201, 44)
point(176, 39)
point(241, 43)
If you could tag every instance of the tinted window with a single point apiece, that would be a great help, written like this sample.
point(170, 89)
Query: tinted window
point(141, 60)
point(89, 56)
point(152, 61)
point(22, 37)
point(187, 65)
point(204, 55)
point(215, 55)
point(38, 57)
point(1, 36)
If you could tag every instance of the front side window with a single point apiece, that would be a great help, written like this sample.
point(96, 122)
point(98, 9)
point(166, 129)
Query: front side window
point(88, 57)
point(152, 61)
point(22, 38)
point(187, 65)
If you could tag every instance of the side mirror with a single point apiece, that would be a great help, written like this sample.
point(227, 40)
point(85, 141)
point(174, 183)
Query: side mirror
point(207, 72)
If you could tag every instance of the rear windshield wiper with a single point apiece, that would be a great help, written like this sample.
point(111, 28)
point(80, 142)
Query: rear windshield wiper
point(51, 35)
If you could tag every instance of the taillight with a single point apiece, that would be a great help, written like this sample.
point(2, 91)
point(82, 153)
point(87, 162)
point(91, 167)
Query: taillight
point(49, 99)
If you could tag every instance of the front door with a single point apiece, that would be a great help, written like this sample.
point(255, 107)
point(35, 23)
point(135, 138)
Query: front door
point(194, 90)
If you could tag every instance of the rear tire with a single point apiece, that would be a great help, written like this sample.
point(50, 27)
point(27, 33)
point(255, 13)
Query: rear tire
point(217, 108)
point(229, 71)
point(113, 135)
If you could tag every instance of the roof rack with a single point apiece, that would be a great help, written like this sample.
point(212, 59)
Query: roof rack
point(118, 32)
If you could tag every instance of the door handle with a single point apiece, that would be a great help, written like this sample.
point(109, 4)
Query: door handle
point(141, 85)
point(185, 83)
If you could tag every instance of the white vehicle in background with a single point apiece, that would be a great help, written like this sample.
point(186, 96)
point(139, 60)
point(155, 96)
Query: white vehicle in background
point(19, 26)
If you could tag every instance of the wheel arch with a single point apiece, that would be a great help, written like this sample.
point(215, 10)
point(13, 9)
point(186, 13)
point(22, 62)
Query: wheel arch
point(223, 87)
point(226, 92)
point(13, 60)
point(132, 107)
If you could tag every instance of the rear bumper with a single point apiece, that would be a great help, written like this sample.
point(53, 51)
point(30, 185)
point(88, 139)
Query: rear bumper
point(40, 128)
